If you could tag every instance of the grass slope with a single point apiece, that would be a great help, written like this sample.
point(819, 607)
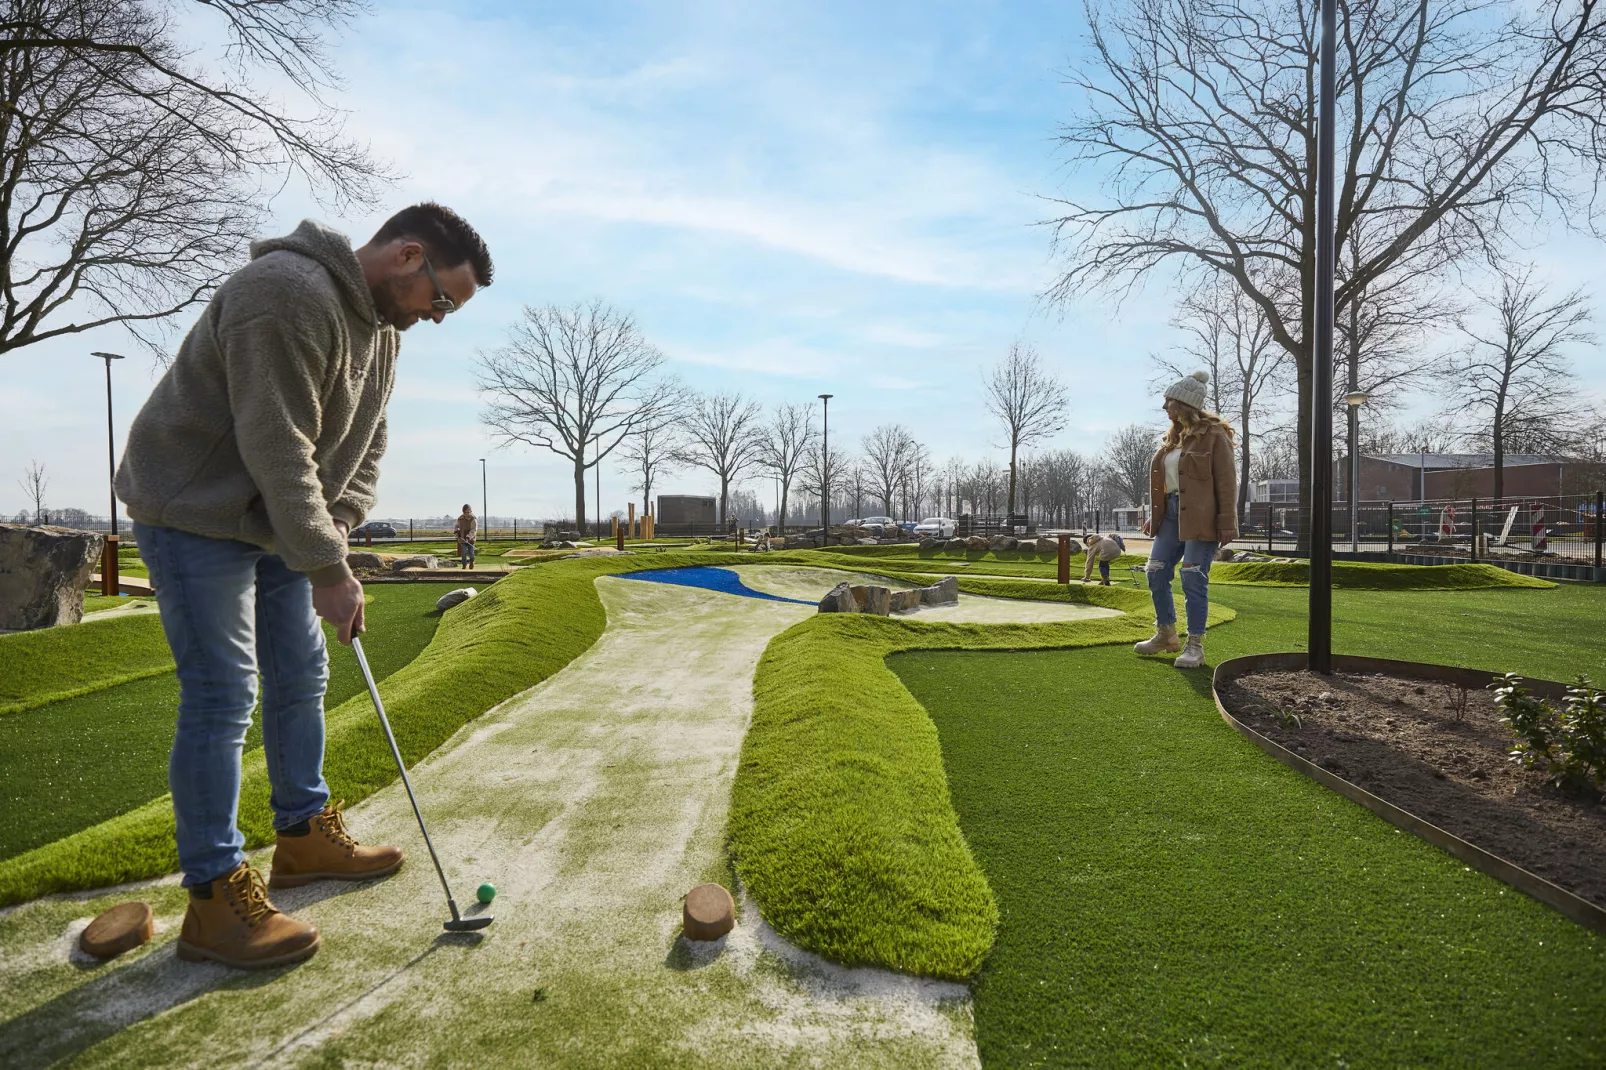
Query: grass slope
point(69, 765)
point(841, 826)
point(514, 635)
point(1170, 895)
point(51, 664)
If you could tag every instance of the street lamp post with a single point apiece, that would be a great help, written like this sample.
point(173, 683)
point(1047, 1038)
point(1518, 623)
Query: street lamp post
point(825, 467)
point(110, 582)
point(1320, 632)
point(596, 463)
point(1354, 399)
point(485, 498)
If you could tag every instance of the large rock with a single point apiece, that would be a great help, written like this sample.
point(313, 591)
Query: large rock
point(943, 591)
point(43, 573)
point(876, 600)
point(954, 544)
point(364, 559)
point(1002, 542)
point(1046, 545)
point(454, 598)
point(976, 542)
point(415, 561)
point(839, 599)
point(928, 544)
point(904, 601)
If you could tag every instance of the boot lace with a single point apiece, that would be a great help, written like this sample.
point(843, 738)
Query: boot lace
point(250, 894)
point(333, 822)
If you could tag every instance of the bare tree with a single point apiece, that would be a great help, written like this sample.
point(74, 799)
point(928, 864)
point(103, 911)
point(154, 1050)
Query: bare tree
point(825, 477)
point(1228, 335)
point(1421, 436)
point(1028, 400)
point(720, 433)
point(1459, 124)
point(888, 452)
point(1515, 371)
point(33, 484)
point(649, 452)
point(1127, 460)
point(786, 442)
point(130, 180)
point(577, 381)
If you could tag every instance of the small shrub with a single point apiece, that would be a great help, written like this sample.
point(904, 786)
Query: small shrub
point(1455, 697)
point(1567, 745)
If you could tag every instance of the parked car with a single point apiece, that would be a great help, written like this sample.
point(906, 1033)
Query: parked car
point(879, 524)
point(377, 528)
point(938, 527)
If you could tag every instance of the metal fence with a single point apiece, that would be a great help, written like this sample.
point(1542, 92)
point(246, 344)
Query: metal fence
point(1558, 527)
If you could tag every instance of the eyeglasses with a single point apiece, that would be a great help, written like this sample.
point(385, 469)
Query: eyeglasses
point(441, 302)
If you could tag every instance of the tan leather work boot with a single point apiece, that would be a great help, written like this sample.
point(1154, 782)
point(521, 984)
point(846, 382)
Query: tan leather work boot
point(231, 920)
point(1163, 641)
point(321, 849)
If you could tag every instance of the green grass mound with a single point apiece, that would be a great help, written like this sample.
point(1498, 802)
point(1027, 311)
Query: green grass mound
point(1368, 576)
point(515, 634)
point(69, 765)
point(51, 664)
point(841, 825)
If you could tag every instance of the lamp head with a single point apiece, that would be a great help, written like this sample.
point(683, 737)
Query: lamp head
point(1356, 398)
point(108, 356)
point(827, 397)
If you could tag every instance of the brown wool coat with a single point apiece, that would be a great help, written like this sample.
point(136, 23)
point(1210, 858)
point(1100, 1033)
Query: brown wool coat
point(1207, 480)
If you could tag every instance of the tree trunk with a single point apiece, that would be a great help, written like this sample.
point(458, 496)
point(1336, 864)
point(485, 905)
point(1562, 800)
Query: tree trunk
point(1243, 469)
point(780, 520)
point(1499, 438)
point(1013, 446)
point(724, 502)
point(580, 495)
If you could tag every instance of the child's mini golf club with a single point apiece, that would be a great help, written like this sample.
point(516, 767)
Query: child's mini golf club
point(458, 923)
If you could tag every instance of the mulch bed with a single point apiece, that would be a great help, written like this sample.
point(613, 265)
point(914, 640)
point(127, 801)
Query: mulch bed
point(1436, 751)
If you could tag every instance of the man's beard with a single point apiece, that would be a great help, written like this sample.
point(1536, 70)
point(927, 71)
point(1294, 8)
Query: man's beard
point(388, 305)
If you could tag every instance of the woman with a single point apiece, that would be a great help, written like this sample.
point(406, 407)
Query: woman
point(1195, 492)
point(467, 532)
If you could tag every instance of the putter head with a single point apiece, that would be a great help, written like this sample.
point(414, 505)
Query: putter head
point(467, 925)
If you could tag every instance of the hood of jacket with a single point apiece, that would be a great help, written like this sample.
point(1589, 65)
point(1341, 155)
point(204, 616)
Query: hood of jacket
point(333, 250)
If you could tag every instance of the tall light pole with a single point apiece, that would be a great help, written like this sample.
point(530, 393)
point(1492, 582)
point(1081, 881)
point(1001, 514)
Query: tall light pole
point(825, 466)
point(596, 463)
point(485, 498)
point(1320, 633)
point(110, 583)
point(1354, 399)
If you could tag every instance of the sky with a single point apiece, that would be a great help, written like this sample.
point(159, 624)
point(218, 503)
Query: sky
point(791, 199)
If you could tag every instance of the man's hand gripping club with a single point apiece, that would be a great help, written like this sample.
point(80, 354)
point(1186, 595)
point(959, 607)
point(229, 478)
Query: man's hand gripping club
point(341, 604)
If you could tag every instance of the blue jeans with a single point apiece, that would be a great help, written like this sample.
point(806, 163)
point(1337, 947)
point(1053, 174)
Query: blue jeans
point(231, 611)
point(466, 552)
point(1196, 556)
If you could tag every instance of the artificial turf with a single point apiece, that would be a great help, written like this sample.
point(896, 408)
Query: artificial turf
point(52, 664)
point(840, 824)
point(68, 765)
point(1169, 895)
point(512, 636)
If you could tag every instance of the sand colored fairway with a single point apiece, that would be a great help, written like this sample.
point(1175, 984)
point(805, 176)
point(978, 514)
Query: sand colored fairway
point(813, 583)
point(592, 802)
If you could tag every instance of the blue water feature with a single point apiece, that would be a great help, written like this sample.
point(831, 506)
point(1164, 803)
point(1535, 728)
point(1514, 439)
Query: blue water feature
point(722, 580)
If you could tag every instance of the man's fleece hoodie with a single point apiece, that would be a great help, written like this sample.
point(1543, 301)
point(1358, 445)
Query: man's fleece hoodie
point(269, 424)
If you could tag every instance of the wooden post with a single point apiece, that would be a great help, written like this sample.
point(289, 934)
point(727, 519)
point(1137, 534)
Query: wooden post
point(618, 535)
point(614, 523)
point(1065, 557)
point(368, 537)
point(110, 582)
point(630, 510)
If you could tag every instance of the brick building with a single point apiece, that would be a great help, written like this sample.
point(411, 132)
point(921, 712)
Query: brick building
point(1405, 477)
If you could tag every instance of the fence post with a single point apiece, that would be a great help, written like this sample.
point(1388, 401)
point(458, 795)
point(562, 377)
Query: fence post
point(1390, 522)
point(1474, 531)
point(1600, 499)
point(1065, 557)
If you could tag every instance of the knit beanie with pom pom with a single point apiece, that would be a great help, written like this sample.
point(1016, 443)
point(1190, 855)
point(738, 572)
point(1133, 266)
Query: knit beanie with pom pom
point(1190, 390)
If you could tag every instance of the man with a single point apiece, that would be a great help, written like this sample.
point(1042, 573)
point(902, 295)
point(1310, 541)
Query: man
point(252, 460)
point(466, 527)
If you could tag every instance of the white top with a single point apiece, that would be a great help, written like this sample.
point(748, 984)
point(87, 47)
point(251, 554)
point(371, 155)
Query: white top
point(1172, 462)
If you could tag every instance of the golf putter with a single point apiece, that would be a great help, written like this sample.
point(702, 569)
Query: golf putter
point(458, 923)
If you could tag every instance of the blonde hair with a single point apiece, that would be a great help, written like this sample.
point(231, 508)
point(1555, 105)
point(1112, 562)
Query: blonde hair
point(1194, 422)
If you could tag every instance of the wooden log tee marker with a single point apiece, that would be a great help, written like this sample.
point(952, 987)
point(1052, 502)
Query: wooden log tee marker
point(709, 913)
point(122, 928)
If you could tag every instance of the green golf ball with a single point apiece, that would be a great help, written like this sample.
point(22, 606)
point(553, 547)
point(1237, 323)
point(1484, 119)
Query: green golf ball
point(487, 892)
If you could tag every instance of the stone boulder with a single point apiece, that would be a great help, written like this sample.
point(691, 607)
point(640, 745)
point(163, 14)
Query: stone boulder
point(874, 600)
point(1002, 542)
point(943, 591)
point(364, 559)
point(955, 544)
point(1047, 545)
point(929, 544)
point(839, 599)
point(43, 573)
point(866, 541)
point(904, 601)
point(454, 598)
point(976, 542)
point(415, 561)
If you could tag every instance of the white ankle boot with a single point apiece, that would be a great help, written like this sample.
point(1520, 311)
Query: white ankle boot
point(1192, 655)
point(1163, 641)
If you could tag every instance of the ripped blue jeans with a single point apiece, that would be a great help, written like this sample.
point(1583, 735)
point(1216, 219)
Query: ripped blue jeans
point(1196, 556)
